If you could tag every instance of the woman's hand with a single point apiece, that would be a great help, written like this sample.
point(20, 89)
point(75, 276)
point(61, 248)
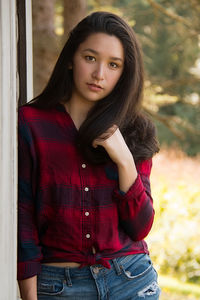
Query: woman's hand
point(115, 145)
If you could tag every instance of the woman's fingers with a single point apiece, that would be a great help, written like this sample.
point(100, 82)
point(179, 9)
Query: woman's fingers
point(104, 136)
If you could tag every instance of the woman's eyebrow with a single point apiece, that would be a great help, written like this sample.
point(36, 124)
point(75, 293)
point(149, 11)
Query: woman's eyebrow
point(97, 53)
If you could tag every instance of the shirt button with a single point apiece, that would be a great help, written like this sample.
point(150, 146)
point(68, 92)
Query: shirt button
point(83, 166)
point(87, 235)
point(87, 213)
point(86, 189)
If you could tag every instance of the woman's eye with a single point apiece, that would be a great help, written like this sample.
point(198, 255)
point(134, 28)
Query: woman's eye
point(113, 65)
point(90, 58)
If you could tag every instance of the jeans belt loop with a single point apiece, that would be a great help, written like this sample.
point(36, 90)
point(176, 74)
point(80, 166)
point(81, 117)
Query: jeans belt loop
point(67, 276)
point(116, 266)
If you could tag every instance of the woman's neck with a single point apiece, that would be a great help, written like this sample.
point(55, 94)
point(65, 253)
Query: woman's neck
point(78, 111)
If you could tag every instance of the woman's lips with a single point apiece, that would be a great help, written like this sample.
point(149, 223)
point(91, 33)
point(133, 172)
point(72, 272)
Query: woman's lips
point(94, 87)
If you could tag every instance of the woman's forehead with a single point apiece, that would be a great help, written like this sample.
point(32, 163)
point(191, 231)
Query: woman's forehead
point(102, 43)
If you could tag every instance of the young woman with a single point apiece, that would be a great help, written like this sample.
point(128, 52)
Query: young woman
point(85, 153)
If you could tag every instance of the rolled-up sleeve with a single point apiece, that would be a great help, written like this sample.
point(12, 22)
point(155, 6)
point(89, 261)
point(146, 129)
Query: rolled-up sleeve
point(135, 207)
point(29, 251)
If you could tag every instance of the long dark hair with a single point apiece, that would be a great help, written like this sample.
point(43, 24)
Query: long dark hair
point(121, 107)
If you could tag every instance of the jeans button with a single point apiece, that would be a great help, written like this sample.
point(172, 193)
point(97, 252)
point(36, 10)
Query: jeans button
point(96, 270)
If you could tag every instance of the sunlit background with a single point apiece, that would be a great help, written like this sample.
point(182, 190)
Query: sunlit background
point(169, 33)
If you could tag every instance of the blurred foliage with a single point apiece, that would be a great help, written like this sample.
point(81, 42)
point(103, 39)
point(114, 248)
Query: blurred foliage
point(174, 240)
point(169, 32)
point(175, 289)
point(191, 115)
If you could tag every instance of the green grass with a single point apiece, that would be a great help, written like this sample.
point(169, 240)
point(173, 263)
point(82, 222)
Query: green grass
point(178, 289)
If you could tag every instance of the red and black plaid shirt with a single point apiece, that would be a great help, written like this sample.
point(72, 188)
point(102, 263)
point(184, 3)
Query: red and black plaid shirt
point(67, 206)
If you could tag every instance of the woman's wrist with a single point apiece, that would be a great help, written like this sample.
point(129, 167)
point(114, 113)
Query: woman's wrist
point(126, 162)
point(28, 288)
point(127, 174)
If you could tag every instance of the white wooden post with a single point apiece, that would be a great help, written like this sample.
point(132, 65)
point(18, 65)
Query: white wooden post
point(29, 50)
point(9, 93)
point(8, 150)
point(26, 14)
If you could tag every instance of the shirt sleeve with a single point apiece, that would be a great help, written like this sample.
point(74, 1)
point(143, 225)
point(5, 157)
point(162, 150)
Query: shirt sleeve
point(29, 251)
point(135, 207)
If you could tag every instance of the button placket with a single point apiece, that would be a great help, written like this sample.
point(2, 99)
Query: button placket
point(87, 221)
point(85, 205)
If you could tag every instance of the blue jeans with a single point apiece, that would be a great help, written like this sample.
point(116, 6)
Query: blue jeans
point(131, 277)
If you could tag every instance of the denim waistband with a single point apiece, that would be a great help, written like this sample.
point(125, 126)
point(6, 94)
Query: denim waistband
point(69, 272)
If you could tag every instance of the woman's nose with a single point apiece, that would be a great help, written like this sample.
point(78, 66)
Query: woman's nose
point(98, 72)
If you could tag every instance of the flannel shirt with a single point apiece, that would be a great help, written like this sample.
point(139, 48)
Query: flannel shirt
point(67, 206)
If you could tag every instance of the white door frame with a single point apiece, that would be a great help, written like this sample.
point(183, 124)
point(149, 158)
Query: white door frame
point(8, 147)
point(9, 94)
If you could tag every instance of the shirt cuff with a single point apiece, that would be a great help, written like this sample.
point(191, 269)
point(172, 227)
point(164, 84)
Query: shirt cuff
point(134, 191)
point(28, 269)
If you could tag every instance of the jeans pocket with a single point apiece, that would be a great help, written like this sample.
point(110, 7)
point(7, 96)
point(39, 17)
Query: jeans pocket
point(138, 268)
point(50, 287)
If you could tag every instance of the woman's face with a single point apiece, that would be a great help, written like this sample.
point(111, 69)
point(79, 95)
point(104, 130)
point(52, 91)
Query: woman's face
point(97, 66)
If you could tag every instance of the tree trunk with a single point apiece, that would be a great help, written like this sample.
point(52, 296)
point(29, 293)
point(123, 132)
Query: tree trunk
point(73, 12)
point(45, 42)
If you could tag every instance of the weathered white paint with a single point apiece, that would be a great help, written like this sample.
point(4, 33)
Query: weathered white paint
point(8, 150)
point(29, 58)
point(29, 49)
